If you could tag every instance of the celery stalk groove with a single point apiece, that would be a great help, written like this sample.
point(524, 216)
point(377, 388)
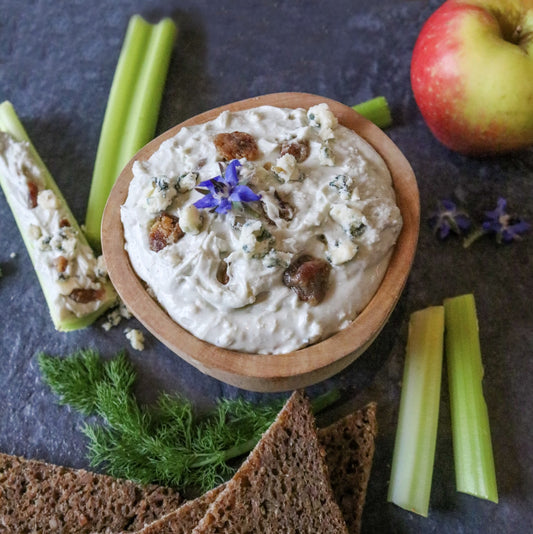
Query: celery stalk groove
point(473, 456)
point(132, 110)
point(414, 448)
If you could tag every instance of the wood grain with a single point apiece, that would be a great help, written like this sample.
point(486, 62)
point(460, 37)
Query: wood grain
point(275, 372)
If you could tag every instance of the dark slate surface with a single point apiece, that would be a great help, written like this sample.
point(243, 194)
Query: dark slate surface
point(57, 60)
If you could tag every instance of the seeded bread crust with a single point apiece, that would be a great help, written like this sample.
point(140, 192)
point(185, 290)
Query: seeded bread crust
point(283, 486)
point(38, 497)
point(349, 445)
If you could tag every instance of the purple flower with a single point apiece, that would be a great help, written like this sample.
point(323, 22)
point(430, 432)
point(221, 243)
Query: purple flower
point(220, 193)
point(449, 218)
point(507, 228)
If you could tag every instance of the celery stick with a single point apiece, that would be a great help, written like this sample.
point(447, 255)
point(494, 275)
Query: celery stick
point(9, 122)
point(144, 109)
point(120, 96)
point(414, 448)
point(63, 319)
point(376, 110)
point(132, 109)
point(474, 461)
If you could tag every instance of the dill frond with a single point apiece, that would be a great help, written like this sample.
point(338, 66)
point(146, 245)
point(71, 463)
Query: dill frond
point(166, 443)
point(74, 380)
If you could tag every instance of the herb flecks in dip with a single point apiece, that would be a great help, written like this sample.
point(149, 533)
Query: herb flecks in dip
point(287, 223)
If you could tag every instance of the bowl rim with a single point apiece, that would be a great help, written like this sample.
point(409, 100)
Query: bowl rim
point(303, 366)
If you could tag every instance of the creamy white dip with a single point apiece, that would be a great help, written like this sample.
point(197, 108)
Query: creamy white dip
point(72, 277)
point(342, 209)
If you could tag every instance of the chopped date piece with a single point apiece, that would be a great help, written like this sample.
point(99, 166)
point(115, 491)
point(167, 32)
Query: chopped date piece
point(298, 149)
point(33, 191)
point(236, 145)
point(61, 264)
point(85, 295)
point(164, 231)
point(222, 273)
point(308, 277)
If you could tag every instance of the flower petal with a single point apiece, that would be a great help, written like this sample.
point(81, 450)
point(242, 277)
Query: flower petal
point(520, 227)
point(209, 201)
point(231, 176)
point(444, 229)
point(242, 193)
point(224, 206)
point(491, 226)
point(215, 185)
point(499, 211)
point(448, 205)
point(462, 221)
point(512, 232)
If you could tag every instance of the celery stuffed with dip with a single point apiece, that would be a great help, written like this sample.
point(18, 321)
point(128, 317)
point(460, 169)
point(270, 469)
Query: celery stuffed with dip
point(73, 279)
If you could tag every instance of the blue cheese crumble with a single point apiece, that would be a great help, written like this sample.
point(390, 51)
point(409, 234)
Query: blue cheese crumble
point(135, 337)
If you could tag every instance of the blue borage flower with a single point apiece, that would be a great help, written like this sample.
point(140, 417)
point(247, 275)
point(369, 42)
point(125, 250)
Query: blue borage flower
point(448, 218)
point(221, 193)
point(507, 228)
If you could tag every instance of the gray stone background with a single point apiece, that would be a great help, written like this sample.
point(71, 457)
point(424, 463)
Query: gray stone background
point(57, 60)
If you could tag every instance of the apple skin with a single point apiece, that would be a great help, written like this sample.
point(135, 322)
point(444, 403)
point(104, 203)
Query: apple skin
point(472, 75)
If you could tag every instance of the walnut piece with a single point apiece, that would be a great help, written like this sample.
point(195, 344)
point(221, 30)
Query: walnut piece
point(165, 230)
point(61, 263)
point(298, 149)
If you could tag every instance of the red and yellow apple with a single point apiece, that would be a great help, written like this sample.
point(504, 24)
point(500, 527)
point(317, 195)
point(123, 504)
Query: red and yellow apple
point(472, 75)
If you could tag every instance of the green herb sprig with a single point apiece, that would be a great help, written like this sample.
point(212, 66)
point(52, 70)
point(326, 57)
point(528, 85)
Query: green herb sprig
point(167, 443)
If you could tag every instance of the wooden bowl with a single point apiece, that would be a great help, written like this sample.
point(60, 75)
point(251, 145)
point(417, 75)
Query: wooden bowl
point(275, 372)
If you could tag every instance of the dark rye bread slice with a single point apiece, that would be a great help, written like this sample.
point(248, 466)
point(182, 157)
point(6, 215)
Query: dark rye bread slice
point(349, 446)
point(38, 497)
point(185, 518)
point(283, 485)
